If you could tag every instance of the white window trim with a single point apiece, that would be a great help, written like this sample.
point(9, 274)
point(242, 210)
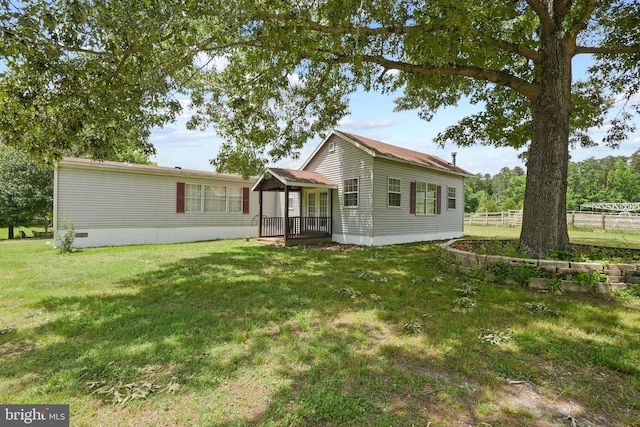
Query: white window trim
point(187, 198)
point(229, 200)
point(344, 193)
point(435, 198)
point(399, 192)
point(426, 199)
point(455, 198)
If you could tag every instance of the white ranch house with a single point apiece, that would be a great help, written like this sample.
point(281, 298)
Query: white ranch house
point(351, 190)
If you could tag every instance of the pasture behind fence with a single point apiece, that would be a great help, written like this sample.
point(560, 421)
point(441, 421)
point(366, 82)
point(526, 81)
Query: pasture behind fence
point(575, 219)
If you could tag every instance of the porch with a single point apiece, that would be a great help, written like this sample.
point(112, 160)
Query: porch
point(299, 230)
point(309, 221)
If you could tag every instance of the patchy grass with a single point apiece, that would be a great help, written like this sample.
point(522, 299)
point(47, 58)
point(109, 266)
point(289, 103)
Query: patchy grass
point(233, 333)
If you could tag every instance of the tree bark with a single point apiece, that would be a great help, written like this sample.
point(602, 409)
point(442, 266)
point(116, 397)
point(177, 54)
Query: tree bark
point(544, 223)
point(10, 235)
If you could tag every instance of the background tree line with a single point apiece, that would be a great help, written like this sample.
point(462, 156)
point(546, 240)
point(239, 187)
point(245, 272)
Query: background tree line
point(610, 179)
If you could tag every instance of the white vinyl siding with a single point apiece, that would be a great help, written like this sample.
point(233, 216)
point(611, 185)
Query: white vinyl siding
point(96, 197)
point(347, 162)
point(394, 194)
point(374, 220)
point(394, 222)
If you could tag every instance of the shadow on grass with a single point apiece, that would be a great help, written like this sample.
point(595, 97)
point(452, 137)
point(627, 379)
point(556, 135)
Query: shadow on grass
point(281, 336)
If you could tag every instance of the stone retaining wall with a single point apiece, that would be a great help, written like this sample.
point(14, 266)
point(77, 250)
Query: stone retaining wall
point(620, 275)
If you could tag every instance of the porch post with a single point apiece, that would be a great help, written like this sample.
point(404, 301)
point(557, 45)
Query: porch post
point(260, 214)
point(286, 212)
point(331, 212)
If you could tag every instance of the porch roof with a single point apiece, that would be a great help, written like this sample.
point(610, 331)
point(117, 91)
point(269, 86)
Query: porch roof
point(277, 178)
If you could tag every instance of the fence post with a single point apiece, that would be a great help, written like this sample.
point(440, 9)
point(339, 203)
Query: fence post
point(502, 216)
point(486, 218)
point(573, 219)
point(604, 228)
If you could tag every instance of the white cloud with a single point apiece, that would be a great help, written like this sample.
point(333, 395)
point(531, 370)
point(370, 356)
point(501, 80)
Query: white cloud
point(205, 62)
point(359, 124)
point(294, 79)
point(187, 112)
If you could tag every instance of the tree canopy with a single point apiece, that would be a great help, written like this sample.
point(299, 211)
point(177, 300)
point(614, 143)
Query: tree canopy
point(268, 75)
point(26, 189)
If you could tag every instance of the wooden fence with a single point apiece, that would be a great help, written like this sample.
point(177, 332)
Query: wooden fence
point(575, 219)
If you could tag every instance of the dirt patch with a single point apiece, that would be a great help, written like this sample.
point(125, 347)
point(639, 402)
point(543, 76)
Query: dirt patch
point(13, 349)
point(547, 407)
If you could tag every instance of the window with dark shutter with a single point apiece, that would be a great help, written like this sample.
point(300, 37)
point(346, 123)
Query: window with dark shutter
point(180, 196)
point(439, 200)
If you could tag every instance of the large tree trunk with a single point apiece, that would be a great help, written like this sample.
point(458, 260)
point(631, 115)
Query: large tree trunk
point(10, 234)
point(544, 222)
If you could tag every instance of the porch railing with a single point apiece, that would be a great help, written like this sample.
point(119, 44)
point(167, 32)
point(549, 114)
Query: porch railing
point(304, 227)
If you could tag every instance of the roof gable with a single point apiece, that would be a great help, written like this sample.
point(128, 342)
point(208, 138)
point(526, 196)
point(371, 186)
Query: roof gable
point(394, 153)
point(292, 178)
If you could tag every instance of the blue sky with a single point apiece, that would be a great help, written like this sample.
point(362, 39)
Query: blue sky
point(372, 116)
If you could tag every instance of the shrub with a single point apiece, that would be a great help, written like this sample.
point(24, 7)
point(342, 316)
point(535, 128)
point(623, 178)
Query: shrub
point(66, 243)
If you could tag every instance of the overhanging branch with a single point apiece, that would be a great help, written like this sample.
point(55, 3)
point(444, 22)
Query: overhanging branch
point(518, 49)
point(618, 50)
point(501, 78)
point(350, 29)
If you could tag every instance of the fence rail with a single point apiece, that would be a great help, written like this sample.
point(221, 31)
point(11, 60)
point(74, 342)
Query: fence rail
point(299, 227)
point(575, 219)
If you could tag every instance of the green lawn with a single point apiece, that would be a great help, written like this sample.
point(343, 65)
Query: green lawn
point(232, 333)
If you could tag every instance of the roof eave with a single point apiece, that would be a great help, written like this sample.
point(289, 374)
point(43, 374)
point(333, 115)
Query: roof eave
point(293, 183)
point(421, 165)
point(159, 170)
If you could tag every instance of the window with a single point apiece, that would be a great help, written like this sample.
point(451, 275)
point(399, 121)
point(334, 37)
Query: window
point(351, 192)
point(193, 198)
point(431, 199)
point(332, 147)
point(235, 199)
point(214, 198)
point(311, 204)
point(425, 198)
point(292, 202)
point(421, 198)
point(394, 192)
point(451, 197)
point(324, 204)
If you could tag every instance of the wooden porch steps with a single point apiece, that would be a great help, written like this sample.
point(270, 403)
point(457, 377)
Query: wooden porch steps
point(276, 241)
